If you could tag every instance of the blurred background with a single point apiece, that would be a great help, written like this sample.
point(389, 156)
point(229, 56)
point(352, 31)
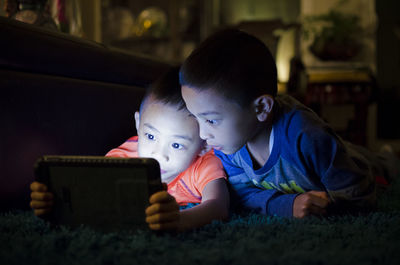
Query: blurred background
point(340, 57)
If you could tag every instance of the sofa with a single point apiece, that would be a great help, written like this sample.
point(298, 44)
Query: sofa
point(62, 95)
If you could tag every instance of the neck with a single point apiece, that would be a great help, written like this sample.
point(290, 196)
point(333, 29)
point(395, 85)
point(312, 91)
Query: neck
point(258, 146)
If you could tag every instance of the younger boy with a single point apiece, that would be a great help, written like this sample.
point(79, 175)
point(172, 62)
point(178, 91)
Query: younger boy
point(280, 157)
point(168, 133)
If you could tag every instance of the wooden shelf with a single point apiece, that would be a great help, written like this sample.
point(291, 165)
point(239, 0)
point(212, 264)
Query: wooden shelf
point(338, 76)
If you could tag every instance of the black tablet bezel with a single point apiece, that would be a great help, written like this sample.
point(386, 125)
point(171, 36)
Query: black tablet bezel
point(109, 219)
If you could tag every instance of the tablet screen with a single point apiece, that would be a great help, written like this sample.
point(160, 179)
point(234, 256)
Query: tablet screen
point(102, 192)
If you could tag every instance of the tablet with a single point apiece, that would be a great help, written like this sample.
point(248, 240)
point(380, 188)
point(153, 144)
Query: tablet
point(106, 193)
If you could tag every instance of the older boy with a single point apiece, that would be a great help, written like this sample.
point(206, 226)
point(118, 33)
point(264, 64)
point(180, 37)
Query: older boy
point(280, 157)
point(168, 133)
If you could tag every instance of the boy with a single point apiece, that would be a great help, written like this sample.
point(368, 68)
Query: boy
point(168, 133)
point(280, 157)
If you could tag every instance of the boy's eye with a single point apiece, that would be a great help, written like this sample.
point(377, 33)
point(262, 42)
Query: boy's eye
point(212, 122)
point(177, 146)
point(149, 136)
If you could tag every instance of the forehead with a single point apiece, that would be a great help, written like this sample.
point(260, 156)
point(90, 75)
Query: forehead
point(168, 118)
point(207, 101)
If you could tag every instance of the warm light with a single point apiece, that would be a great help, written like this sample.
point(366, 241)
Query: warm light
point(147, 23)
point(284, 53)
point(281, 88)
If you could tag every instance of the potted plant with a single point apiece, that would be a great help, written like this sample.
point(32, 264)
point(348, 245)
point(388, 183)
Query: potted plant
point(335, 35)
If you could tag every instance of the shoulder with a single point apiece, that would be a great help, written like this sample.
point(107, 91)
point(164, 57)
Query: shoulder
point(207, 166)
point(127, 149)
point(234, 163)
point(205, 169)
point(209, 159)
point(133, 139)
point(293, 120)
point(301, 132)
point(234, 158)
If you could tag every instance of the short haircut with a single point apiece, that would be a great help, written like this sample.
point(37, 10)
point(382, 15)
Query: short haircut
point(233, 63)
point(166, 89)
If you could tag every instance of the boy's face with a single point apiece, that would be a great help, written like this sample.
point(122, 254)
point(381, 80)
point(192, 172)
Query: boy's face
point(223, 124)
point(168, 135)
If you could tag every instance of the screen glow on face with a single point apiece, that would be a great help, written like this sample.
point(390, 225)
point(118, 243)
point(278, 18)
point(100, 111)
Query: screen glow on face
point(170, 136)
point(223, 124)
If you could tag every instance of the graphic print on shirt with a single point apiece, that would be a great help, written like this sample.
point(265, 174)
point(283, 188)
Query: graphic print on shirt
point(283, 176)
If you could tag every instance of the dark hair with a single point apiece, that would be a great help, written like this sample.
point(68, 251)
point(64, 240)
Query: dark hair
point(166, 89)
point(234, 63)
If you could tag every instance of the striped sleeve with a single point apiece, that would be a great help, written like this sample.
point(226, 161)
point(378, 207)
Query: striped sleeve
point(127, 149)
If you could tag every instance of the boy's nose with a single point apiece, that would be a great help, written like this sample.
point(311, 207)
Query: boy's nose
point(160, 154)
point(204, 133)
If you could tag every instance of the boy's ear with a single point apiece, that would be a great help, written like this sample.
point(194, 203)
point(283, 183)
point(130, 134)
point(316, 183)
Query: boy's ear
point(263, 107)
point(137, 120)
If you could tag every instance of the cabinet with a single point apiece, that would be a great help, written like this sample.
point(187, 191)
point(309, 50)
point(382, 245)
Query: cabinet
point(341, 97)
point(163, 29)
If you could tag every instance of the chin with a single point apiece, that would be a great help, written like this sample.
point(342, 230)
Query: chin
point(228, 152)
point(167, 179)
point(233, 149)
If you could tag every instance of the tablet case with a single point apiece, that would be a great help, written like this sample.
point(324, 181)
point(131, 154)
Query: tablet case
point(105, 193)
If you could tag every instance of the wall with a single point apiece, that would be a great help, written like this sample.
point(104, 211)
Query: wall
point(235, 11)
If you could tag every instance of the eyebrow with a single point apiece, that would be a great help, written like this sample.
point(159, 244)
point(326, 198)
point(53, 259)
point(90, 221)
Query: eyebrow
point(184, 137)
point(151, 127)
point(209, 113)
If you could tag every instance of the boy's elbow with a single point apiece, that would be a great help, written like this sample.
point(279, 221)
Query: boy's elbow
point(223, 211)
point(217, 210)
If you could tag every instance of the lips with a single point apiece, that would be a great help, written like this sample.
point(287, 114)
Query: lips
point(163, 171)
point(216, 147)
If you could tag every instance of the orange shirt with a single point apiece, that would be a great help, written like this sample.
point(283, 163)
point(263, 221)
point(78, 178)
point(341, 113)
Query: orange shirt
point(187, 187)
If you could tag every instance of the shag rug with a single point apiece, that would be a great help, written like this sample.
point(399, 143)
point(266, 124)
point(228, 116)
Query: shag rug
point(251, 239)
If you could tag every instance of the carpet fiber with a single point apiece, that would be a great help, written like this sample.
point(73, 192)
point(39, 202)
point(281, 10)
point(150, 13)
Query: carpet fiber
point(252, 239)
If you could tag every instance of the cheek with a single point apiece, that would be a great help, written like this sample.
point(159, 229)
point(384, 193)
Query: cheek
point(182, 164)
point(229, 131)
point(143, 149)
point(235, 132)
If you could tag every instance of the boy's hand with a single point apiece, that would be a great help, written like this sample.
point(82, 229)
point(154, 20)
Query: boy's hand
point(163, 212)
point(310, 203)
point(42, 200)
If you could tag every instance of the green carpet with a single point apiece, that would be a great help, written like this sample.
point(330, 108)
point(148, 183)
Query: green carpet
point(252, 239)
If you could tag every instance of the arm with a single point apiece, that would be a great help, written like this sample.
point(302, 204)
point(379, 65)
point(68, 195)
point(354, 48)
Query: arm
point(343, 171)
point(214, 206)
point(41, 199)
point(164, 214)
point(251, 197)
point(272, 201)
point(311, 203)
point(268, 202)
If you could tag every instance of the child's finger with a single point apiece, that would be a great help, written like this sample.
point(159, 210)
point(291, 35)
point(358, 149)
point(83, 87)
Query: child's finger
point(37, 186)
point(161, 196)
point(320, 194)
point(162, 208)
point(41, 204)
point(42, 196)
point(163, 218)
point(319, 198)
point(164, 226)
point(39, 212)
point(321, 203)
point(315, 210)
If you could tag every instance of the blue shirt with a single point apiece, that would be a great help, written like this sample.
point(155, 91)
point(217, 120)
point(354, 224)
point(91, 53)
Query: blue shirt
point(306, 155)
